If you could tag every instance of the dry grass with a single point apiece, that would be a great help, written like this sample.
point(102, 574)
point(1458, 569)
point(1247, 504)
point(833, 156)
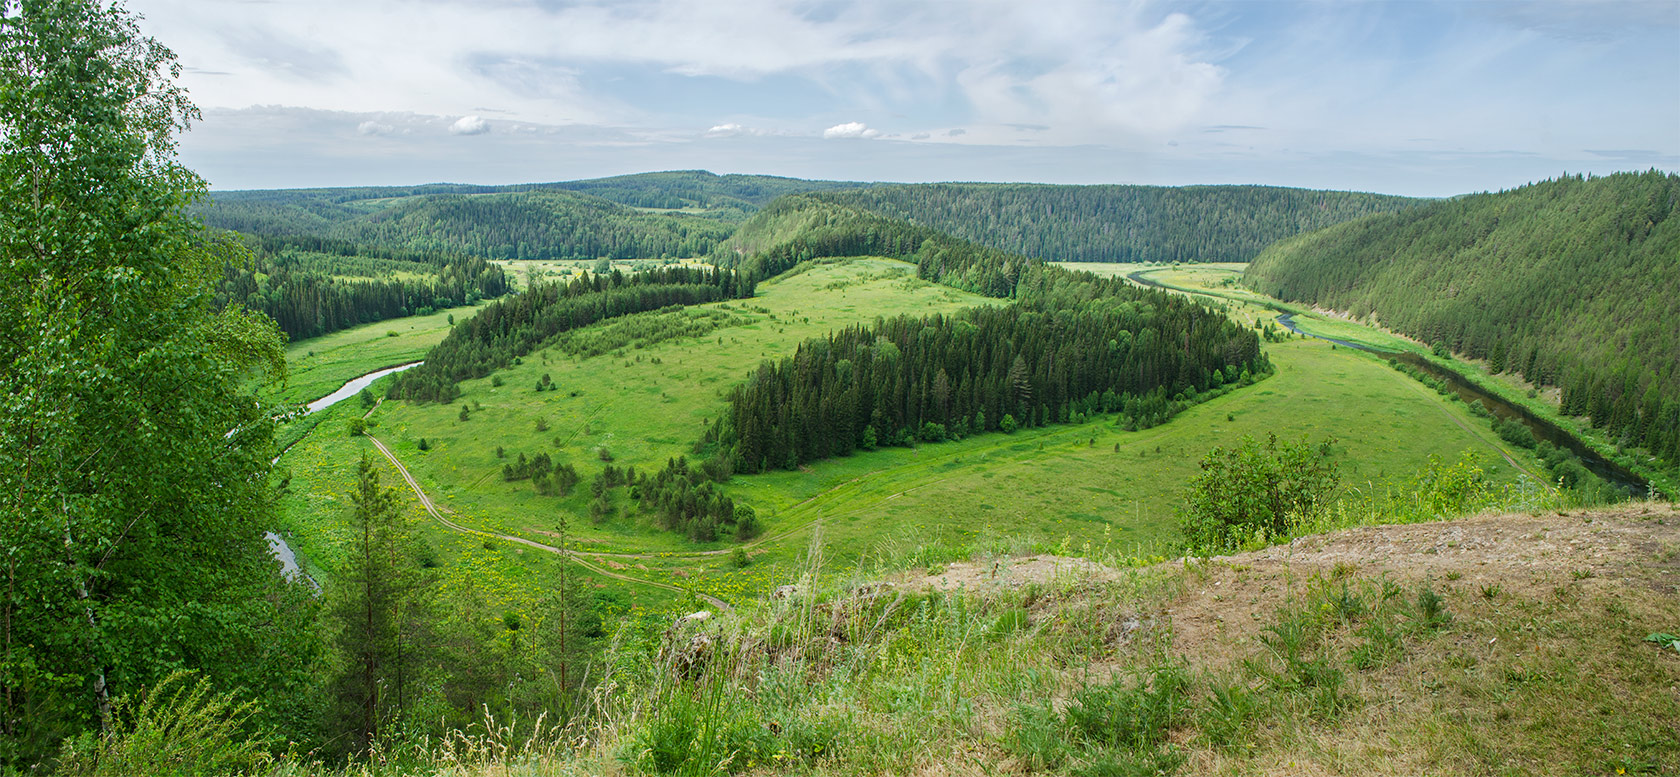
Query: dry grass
point(1495, 644)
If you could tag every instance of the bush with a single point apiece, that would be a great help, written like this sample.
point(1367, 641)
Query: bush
point(746, 523)
point(357, 426)
point(1514, 432)
point(1254, 491)
point(1008, 424)
point(176, 729)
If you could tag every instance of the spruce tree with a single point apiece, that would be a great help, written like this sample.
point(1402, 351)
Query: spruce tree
point(377, 611)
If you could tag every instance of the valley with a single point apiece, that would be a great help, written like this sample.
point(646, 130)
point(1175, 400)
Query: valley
point(1066, 487)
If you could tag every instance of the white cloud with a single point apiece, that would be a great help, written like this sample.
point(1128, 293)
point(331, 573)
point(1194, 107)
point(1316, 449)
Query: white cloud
point(469, 125)
point(1129, 75)
point(851, 129)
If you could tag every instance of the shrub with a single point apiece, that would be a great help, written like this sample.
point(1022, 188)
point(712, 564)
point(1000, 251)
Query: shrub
point(175, 729)
point(1254, 491)
point(357, 426)
point(1514, 432)
point(746, 523)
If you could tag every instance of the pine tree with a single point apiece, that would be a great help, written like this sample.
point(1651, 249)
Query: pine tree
point(377, 609)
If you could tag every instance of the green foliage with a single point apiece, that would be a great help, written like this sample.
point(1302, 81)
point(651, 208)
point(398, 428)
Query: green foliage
point(1118, 727)
point(491, 222)
point(380, 617)
point(1431, 611)
point(356, 426)
point(824, 401)
point(312, 287)
point(130, 439)
point(1514, 431)
point(1568, 283)
point(511, 328)
point(1129, 715)
point(685, 499)
point(1446, 490)
point(1119, 223)
point(1253, 492)
point(179, 728)
point(1229, 719)
point(747, 525)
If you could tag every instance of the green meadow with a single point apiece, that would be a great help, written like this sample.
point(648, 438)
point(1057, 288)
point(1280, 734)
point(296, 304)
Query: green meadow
point(640, 390)
point(318, 366)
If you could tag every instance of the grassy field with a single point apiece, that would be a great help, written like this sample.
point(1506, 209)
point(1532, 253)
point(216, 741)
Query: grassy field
point(524, 271)
point(1222, 282)
point(1066, 488)
point(320, 365)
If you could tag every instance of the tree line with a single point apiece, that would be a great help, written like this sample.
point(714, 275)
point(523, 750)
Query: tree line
point(312, 292)
point(1073, 344)
point(533, 223)
point(513, 327)
point(1570, 283)
point(983, 369)
point(1114, 223)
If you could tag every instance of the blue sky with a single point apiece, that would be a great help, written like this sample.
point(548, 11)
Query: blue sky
point(1421, 98)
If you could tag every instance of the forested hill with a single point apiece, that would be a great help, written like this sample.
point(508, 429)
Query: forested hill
point(498, 225)
point(1571, 282)
point(721, 194)
point(626, 217)
point(1073, 344)
point(1120, 223)
point(689, 212)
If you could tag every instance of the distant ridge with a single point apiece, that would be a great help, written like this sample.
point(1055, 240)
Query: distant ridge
point(1120, 223)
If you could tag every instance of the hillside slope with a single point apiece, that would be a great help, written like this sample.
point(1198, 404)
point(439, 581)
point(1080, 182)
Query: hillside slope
point(1493, 644)
point(1119, 223)
point(1570, 282)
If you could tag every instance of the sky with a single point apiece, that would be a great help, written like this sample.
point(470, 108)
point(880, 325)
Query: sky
point(1417, 98)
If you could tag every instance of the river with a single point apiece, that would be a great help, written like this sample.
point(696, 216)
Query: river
point(1612, 473)
point(355, 386)
point(277, 544)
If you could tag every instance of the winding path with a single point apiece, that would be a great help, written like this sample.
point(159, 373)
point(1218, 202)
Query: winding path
point(426, 502)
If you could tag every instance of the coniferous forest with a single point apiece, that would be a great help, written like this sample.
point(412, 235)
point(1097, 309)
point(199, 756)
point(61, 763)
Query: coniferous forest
point(312, 287)
point(1120, 223)
point(511, 328)
point(1569, 283)
point(1072, 345)
point(992, 368)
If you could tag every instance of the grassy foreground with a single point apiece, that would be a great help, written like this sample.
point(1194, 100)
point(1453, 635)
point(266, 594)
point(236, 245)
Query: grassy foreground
point(1472, 646)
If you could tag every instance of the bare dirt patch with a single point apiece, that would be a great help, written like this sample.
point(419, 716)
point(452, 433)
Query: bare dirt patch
point(1638, 545)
